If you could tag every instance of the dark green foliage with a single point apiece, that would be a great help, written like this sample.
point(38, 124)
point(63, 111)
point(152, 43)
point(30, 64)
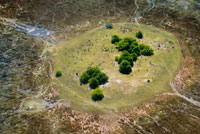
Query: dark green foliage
point(93, 71)
point(139, 35)
point(134, 55)
point(125, 67)
point(93, 83)
point(84, 78)
point(58, 73)
point(94, 76)
point(131, 50)
point(97, 94)
point(126, 56)
point(102, 78)
point(115, 39)
point(109, 26)
point(148, 81)
point(126, 44)
point(147, 52)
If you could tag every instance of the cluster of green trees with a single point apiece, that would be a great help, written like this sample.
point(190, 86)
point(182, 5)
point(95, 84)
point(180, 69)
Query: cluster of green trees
point(131, 50)
point(94, 77)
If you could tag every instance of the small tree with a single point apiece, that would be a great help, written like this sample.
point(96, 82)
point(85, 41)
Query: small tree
point(139, 35)
point(84, 78)
point(93, 83)
point(109, 26)
point(102, 78)
point(125, 67)
point(115, 39)
point(58, 73)
point(97, 94)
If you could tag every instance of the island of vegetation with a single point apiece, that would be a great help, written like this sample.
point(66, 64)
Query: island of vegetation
point(131, 50)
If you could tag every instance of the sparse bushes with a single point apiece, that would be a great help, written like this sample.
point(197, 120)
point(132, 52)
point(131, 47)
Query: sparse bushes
point(115, 39)
point(139, 35)
point(97, 94)
point(131, 50)
point(109, 26)
point(125, 67)
point(58, 73)
point(94, 77)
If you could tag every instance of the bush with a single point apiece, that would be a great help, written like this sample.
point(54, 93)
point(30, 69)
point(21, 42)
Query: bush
point(126, 44)
point(58, 73)
point(97, 94)
point(147, 52)
point(134, 55)
point(93, 71)
point(93, 83)
point(139, 35)
point(126, 56)
point(148, 81)
point(109, 26)
point(125, 67)
point(102, 78)
point(84, 78)
point(115, 39)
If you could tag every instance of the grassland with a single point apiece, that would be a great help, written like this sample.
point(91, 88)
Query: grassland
point(94, 48)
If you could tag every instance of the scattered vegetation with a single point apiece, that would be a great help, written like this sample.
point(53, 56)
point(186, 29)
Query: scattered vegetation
point(97, 94)
point(109, 26)
point(139, 35)
point(131, 50)
point(94, 77)
point(58, 73)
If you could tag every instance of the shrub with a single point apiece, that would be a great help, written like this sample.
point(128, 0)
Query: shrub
point(139, 35)
point(102, 78)
point(97, 94)
point(126, 56)
point(58, 73)
point(147, 52)
point(126, 44)
point(93, 71)
point(148, 81)
point(84, 78)
point(116, 58)
point(115, 39)
point(136, 50)
point(125, 67)
point(134, 55)
point(109, 26)
point(93, 83)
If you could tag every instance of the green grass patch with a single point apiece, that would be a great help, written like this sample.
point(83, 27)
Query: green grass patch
point(94, 48)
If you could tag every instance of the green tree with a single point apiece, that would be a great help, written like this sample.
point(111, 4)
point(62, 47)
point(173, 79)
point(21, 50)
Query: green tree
point(93, 71)
point(102, 78)
point(93, 83)
point(58, 73)
point(147, 52)
point(125, 67)
point(139, 35)
point(97, 94)
point(126, 56)
point(84, 78)
point(115, 39)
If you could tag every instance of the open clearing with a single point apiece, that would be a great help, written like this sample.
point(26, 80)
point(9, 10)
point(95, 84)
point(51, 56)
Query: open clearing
point(94, 48)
